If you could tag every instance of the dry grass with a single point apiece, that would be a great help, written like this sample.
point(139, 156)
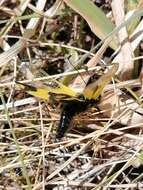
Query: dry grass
point(104, 148)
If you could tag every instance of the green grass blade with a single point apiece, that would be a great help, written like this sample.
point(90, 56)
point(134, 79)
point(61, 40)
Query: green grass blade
point(25, 174)
point(97, 20)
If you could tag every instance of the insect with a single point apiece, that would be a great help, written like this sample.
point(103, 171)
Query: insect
point(73, 102)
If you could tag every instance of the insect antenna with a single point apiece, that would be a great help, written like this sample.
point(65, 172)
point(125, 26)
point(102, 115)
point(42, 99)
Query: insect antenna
point(76, 69)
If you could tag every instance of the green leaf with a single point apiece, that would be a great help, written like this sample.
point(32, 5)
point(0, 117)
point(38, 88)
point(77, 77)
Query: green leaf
point(100, 25)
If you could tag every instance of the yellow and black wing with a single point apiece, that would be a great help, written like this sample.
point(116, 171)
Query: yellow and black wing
point(60, 92)
point(53, 88)
point(93, 90)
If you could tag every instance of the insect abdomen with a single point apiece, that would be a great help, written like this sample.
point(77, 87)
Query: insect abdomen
point(69, 110)
point(64, 124)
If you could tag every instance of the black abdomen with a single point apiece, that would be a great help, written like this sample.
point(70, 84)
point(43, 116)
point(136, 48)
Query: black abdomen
point(69, 110)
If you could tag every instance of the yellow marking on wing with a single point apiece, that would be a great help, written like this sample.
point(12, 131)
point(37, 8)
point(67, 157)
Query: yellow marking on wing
point(62, 89)
point(93, 90)
point(40, 93)
point(58, 91)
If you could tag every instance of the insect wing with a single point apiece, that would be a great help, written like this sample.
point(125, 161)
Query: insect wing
point(53, 88)
point(93, 90)
point(56, 87)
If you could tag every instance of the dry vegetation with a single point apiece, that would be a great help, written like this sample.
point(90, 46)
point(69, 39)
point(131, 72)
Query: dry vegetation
point(103, 148)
